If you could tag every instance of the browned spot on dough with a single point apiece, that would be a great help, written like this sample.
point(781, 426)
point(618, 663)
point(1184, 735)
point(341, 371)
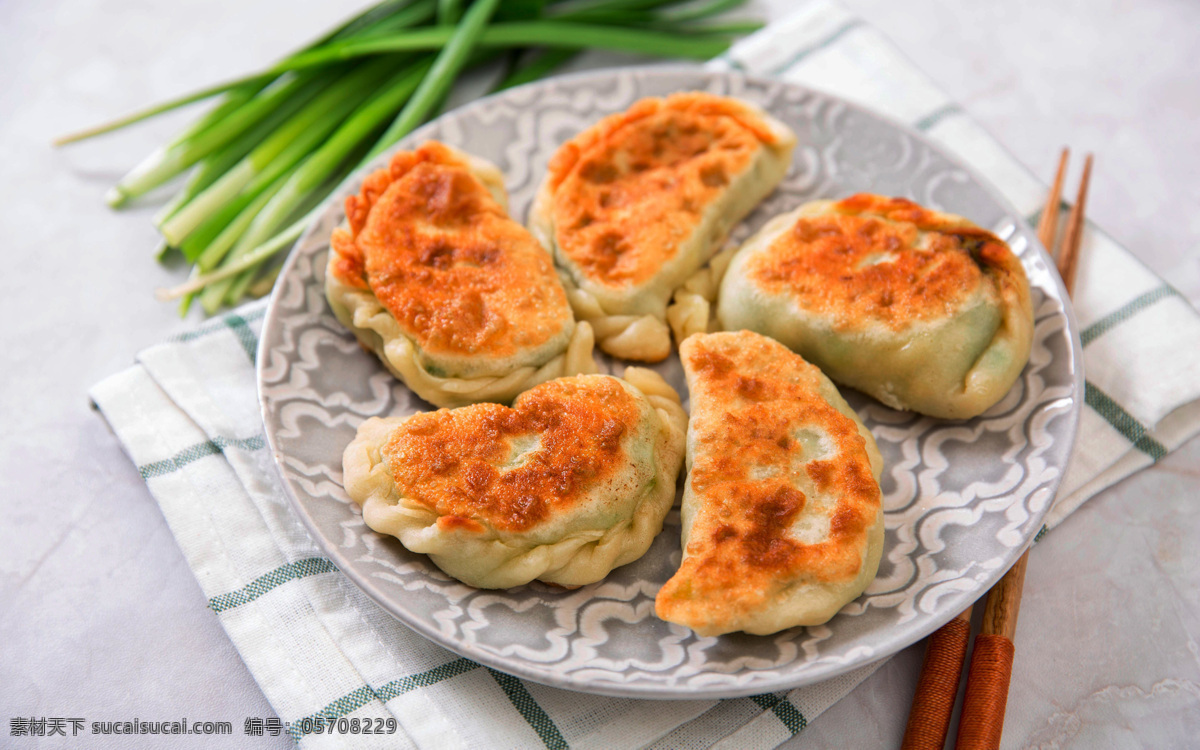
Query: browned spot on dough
point(453, 460)
point(749, 395)
point(646, 175)
point(436, 249)
point(931, 263)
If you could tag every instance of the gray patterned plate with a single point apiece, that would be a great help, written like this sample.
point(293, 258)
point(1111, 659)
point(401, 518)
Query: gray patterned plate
point(961, 498)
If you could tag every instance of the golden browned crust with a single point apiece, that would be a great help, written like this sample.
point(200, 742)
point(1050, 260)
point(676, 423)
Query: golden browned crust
point(630, 188)
point(464, 463)
point(442, 256)
point(741, 551)
point(886, 259)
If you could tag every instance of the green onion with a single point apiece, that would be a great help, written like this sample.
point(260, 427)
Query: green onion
point(541, 65)
point(412, 15)
point(167, 106)
point(363, 21)
point(233, 99)
point(317, 168)
point(448, 12)
point(446, 67)
point(211, 167)
point(635, 18)
point(582, 9)
point(577, 35)
point(729, 28)
point(415, 14)
point(263, 286)
point(334, 151)
point(286, 146)
point(278, 141)
point(218, 233)
point(522, 34)
point(212, 296)
point(700, 12)
point(503, 35)
point(213, 240)
point(273, 106)
point(249, 260)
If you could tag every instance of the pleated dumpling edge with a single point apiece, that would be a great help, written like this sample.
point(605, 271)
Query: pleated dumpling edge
point(573, 480)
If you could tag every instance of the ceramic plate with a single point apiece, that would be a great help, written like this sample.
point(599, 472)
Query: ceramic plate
point(961, 499)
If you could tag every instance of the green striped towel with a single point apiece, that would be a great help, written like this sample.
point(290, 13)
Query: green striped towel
point(187, 415)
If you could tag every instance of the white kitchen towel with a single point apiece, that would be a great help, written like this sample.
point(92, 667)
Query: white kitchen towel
point(186, 414)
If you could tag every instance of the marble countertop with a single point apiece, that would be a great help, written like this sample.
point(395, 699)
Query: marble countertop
point(100, 616)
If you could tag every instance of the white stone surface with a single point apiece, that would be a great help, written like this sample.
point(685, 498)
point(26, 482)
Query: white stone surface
point(100, 616)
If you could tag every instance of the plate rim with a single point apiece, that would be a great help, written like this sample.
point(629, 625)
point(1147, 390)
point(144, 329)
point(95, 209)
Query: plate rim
point(949, 605)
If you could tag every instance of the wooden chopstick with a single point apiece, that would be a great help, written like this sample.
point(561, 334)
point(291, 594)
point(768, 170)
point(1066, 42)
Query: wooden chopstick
point(1068, 260)
point(937, 685)
point(1047, 226)
point(982, 721)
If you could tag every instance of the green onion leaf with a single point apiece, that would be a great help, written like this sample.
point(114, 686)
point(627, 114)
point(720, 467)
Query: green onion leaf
point(285, 147)
point(539, 66)
point(436, 84)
